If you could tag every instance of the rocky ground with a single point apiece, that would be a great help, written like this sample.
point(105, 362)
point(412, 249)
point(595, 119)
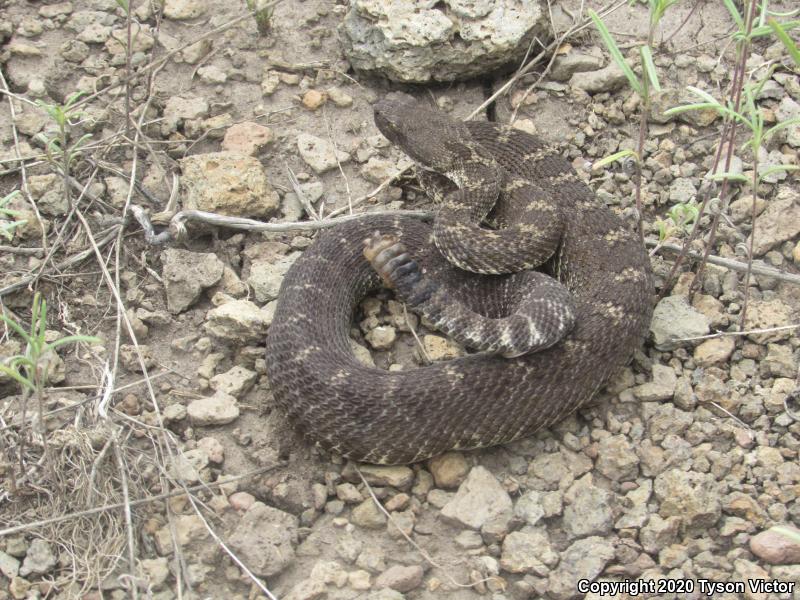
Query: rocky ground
point(681, 469)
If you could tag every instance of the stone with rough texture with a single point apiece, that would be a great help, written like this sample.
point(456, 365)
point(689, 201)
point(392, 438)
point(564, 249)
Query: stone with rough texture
point(674, 319)
point(219, 409)
point(616, 458)
point(584, 559)
point(662, 387)
point(320, 154)
point(691, 496)
point(768, 314)
point(227, 183)
point(479, 499)
point(590, 509)
point(236, 382)
point(714, 351)
point(266, 276)
point(265, 539)
point(414, 42)
point(246, 138)
point(39, 560)
point(9, 566)
point(186, 275)
point(528, 551)
point(238, 320)
point(779, 222)
point(368, 515)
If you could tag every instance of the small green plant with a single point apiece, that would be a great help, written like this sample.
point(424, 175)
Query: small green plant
point(262, 11)
point(7, 226)
point(641, 85)
point(679, 222)
point(31, 369)
point(58, 148)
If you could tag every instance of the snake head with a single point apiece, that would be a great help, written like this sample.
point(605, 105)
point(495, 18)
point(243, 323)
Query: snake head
point(388, 257)
point(425, 134)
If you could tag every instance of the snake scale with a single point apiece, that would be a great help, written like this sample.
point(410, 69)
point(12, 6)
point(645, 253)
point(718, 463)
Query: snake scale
point(545, 339)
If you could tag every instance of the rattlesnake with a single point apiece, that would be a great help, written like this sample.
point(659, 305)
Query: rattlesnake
point(547, 341)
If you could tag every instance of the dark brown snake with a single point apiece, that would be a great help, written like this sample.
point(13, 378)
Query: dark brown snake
point(546, 340)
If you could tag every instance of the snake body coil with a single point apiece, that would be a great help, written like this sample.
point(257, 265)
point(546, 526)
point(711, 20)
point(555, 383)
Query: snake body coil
point(566, 330)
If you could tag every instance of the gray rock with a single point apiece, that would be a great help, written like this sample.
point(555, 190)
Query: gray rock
point(661, 388)
point(39, 560)
point(528, 509)
point(659, 533)
point(178, 109)
point(368, 515)
point(227, 183)
point(606, 79)
point(266, 276)
point(779, 222)
point(400, 578)
point(691, 496)
point(589, 510)
point(787, 110)
point(528, 551)
point(265, 539)
point(236, 382)
point(186, 275)
point(9, 566)
point(320, 154)
point(417, 42)
point(219, 409)
point(616, 458)
point(479, 499)
point(239, 321)
point(673, 319)
point(566, 65)
point(584, 559)
point(767, 314)
point(635, 506)
point(681, 190)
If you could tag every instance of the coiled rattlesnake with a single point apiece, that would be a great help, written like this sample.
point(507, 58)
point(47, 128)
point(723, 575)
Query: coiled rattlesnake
point(549, 340)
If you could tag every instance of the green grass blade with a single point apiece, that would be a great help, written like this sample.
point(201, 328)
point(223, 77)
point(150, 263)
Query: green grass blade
point(649, 67)
point(11, 373)
point(612, 158)
point(73, 339)
point(16, 327)
point(734, 13)
point(781, 34)
point(729, 176)
point(613, 49)
point(776, 169)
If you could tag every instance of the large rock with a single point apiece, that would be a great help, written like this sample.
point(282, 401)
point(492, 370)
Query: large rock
point(416, 42)
point(265, 539)
point(778, 545)
point(675, 319)
point(691, 496)
point(778, 223)
point(478, 500)
point(227, 183)
point(187, 274)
